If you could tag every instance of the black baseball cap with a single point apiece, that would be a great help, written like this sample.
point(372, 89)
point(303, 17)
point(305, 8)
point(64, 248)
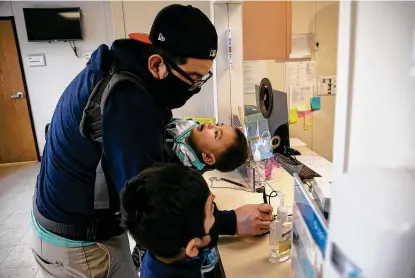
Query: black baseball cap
point(182, 31)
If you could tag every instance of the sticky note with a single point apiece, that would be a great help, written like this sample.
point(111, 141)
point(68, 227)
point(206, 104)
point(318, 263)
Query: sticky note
point(303, 107)
point(315, 103)
point(308, 120)
point(293, 116)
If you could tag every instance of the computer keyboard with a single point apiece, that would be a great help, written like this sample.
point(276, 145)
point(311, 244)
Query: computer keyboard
point(292, 165)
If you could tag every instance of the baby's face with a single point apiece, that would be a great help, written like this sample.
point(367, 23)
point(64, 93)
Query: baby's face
point(213, 139)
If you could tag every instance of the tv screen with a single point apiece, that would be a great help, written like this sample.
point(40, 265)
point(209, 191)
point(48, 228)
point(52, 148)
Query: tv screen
point(59, 24)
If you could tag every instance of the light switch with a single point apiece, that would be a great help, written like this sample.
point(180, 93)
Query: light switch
point(36, 60)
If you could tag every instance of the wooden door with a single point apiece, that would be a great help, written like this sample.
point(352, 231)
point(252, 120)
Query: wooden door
point(266, 28)
point(17, 142)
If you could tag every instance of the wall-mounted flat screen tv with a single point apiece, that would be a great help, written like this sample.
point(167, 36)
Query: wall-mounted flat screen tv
point(56, 24)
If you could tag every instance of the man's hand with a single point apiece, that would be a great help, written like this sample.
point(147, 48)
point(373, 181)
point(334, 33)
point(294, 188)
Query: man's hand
point(253, 220)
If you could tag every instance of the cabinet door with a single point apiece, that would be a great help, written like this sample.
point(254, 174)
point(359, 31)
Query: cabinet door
point(266, 30)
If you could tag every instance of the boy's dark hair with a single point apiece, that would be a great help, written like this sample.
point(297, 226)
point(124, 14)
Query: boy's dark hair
point(235, 155)
point(163, 208)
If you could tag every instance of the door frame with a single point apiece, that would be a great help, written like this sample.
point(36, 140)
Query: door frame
point(27, 98)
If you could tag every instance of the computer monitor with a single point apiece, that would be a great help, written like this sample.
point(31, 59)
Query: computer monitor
point(274, 107)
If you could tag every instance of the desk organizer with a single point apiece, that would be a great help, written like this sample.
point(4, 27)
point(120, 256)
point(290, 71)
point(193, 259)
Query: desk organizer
point(256, 174)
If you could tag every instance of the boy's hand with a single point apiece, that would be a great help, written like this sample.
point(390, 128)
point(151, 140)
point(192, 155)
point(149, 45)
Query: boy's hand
point(252, 220)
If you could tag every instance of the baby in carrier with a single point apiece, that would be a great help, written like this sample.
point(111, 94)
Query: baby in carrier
point(207, 146)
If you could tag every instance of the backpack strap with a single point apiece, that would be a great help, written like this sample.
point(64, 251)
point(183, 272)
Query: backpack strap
point(91, 124)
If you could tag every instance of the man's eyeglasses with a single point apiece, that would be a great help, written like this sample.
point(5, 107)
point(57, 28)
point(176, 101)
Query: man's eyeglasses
point(195, 84)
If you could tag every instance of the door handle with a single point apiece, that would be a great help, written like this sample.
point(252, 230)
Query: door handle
point(17, 95)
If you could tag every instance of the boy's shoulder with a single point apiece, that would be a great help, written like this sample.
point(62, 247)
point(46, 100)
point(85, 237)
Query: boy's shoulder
point(153, 268)
point(190, 267)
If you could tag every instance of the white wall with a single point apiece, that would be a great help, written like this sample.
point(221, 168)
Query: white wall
point(138, 16)
point(5, 9)
point(229, 80)
point(374, 162)
point(46, 84)
point(380, 97)
point(222, 63)
point(236, 73)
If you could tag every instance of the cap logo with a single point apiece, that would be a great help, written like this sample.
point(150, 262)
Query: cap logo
point(212, 53)
point(161, 37)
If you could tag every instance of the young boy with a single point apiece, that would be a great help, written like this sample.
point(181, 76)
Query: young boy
point(202, 147)
point(207, 146)
point(168, 209)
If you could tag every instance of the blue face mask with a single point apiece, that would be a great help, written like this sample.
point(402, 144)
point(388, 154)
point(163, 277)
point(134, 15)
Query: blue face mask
point(210, 259)
point(209, 256)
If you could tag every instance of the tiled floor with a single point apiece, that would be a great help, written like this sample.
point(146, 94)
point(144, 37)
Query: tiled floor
point(16, 189)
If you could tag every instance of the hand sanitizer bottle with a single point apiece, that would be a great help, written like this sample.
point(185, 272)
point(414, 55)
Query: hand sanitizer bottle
point(280, 235)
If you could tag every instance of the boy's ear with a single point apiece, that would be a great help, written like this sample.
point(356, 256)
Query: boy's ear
point(192, 247)
point(208, 158)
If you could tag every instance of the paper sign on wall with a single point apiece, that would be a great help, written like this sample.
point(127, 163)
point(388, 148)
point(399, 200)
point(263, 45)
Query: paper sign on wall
point(36, 60)
point(300, 95)
point(254, 71)
point(327, 85)
point(300, 73)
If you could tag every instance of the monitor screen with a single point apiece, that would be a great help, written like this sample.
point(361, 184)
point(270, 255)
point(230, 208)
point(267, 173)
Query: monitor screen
point(59, 24)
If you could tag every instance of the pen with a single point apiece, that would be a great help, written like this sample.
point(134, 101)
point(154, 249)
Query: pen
point(233, 182)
